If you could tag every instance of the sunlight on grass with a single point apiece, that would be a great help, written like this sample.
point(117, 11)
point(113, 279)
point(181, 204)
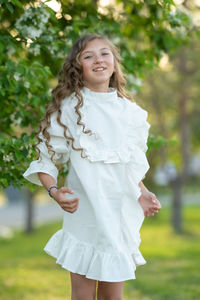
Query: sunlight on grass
point(171, 271)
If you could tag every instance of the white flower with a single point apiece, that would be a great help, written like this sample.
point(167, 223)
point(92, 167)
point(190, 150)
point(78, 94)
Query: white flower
point(27, 84)
point(35, 49)
point(33, 32)
point(134, 80)
point(33, 22)
point(172, 13)
point(8, 157)
point(116, 40)
point(10, 50)
point(17, 76)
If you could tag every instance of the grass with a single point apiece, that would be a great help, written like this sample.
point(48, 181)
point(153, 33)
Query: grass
point(171, 272)
point(173, 261)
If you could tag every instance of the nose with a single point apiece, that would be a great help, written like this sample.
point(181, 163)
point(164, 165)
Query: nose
point(98, 58)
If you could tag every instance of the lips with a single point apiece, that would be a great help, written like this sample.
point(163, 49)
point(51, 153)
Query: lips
point(98, 69)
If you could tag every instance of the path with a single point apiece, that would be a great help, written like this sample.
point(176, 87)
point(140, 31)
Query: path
point(13, 216)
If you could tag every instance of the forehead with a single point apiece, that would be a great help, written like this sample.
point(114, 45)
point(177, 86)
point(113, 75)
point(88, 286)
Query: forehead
point(95, 45)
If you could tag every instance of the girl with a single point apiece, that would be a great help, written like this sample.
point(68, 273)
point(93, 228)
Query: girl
point(93, 126)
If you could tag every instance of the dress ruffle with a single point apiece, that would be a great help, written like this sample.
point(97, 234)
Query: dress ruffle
point(82, 258)
point(133, 145)
point(131, 149)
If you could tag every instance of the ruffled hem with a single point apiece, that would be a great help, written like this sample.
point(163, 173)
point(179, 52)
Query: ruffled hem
point(82, 258)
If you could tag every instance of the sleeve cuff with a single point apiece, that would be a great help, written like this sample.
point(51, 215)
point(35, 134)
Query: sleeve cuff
point(31, 173)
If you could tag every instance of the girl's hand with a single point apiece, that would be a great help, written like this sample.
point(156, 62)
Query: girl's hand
point(69, 205)
point(150, 204)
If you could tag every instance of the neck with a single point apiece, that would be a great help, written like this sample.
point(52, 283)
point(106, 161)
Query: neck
point(97, 88)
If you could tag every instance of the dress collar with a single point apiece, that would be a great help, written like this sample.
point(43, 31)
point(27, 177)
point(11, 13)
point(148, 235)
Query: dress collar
point(110, 95)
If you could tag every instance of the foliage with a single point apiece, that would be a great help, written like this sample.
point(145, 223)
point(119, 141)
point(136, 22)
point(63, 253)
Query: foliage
point(34, 40)
point(159, 141)
point(162, 95)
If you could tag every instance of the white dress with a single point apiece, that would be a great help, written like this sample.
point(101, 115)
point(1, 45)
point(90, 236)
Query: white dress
point(101, 238)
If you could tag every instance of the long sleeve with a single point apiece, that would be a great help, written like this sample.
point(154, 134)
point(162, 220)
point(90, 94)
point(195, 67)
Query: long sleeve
point(139, 127)
point(138, 136)
point(44, 163)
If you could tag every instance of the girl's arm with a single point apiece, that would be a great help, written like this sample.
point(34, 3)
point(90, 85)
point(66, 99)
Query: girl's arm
point(150, 204)
point(69, 205)
point(142, 187)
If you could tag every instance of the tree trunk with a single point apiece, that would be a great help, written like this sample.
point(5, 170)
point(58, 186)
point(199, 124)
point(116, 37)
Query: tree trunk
point(29, 213)
point(184, 134)
point(176, 217)
point(178, 183)
point(160, 118)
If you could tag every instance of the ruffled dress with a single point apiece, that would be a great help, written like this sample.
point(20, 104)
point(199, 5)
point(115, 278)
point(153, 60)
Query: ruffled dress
point(101, 238)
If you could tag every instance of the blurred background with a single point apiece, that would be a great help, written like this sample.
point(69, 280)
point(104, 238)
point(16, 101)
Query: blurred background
point(159, 42)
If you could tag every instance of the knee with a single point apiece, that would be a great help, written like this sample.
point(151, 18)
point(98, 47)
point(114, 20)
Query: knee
point(83, 295)
point(82, 287)
point(110, 298)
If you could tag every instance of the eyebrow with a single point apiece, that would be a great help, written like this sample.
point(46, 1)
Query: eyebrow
point(93, 51)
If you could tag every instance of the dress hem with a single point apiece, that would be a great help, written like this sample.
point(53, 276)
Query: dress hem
point(93, 277)
point(79, 258)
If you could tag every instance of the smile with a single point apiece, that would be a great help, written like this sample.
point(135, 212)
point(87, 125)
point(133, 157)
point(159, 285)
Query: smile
point(99, 69)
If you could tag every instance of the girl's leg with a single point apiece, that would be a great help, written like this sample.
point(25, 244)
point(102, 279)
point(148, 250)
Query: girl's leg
point(110, 290)
point(82, 287)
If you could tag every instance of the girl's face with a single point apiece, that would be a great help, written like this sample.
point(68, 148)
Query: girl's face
point(97, 61)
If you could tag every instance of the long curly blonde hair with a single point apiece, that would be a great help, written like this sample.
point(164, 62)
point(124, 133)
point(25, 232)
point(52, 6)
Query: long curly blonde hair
point(70, 80)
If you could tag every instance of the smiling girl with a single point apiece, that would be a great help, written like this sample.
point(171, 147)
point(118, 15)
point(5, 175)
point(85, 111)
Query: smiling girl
point(93, 126)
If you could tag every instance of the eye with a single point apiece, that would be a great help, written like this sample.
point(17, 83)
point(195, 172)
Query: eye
point(87, 56)
point(105, 53)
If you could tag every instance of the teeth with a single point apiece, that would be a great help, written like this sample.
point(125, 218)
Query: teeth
point(98, 69)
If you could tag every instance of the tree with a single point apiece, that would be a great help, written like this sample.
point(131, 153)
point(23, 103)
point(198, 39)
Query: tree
point(34, 39)
point(172, 96)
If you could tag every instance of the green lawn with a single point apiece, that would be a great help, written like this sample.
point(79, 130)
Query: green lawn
point(171, 273)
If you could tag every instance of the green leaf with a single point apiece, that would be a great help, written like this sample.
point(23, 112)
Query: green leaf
point(24, 152)
point(10, 7)
point(17, 3)
point(25, 138)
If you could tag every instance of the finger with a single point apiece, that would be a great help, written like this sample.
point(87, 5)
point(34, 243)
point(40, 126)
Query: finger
point(71, 210)
point(66, 190)
point(70, 203)
point(153, 196)
point(72, 200)
point(154, 199)
point(157, 209)
point(152, 210)
point(157, 204)
point(64, 198)
point(68, 210)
